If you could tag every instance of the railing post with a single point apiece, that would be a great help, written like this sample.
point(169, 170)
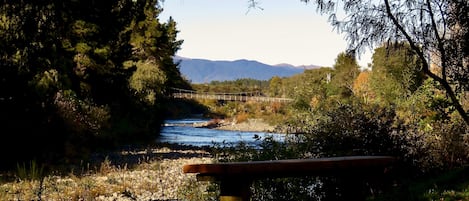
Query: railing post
point(235, 189)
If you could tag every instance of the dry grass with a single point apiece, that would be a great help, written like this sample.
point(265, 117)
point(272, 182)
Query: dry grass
point(152, 179)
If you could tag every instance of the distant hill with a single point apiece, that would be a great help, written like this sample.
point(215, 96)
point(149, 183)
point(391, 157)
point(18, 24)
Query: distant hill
point(204, 71)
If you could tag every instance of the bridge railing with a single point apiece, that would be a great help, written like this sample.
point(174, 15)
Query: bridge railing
point(183, 93)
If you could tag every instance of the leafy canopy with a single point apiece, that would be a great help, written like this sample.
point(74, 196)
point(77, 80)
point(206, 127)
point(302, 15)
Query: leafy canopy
point(437, 32)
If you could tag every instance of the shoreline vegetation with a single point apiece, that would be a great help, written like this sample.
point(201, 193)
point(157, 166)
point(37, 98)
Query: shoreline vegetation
point(153, 172)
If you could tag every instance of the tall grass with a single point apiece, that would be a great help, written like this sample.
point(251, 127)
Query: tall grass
point(32, 172)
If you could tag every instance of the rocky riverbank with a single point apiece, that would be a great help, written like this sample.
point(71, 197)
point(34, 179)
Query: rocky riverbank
point(151, 173)
point(140, 174)
point(253, 125)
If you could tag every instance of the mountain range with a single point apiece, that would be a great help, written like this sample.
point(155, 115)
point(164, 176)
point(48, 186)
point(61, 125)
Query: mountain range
point(199, 71)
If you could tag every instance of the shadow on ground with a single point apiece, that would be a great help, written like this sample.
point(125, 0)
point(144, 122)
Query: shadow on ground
point(131, 156)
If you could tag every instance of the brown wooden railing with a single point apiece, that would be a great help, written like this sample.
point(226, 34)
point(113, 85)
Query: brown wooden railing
point(235, 177)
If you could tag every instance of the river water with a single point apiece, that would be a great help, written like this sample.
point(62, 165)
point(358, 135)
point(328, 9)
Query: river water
point(182, 132)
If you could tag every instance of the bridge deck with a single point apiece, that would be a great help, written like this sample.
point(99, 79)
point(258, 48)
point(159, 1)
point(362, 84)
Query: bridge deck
point(190, 94)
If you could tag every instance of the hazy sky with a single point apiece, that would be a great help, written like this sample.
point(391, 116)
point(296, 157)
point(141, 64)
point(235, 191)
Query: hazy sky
point(283, 31)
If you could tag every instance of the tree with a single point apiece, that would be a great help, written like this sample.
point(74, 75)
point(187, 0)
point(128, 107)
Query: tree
point(400, 63)
point(346, 70)
point(396, 72)
point(361, 86)
point(309, 88)
point(76, 72)
point(275, 84)
point(437, 31)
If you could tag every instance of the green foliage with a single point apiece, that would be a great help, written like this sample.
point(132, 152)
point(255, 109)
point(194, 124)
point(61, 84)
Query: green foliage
point(299, 188)
point(287, 189)
point(195, 191)
point(426, 105)
point(82, 48)
point(71, 72)
point(47, 82)
point(436, 147)
point(358, 129)
point(434, 31)
point(346, 70)
point(83, 29)
point(148, 81)
point(247, 86)
point(405, 114)
point(32, 172)
point(275, 87)
point(312, 84)
point(396, 73)
point(352, 130)
point(451, 185)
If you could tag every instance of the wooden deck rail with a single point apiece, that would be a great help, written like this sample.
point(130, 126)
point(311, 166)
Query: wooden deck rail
point(235, 177)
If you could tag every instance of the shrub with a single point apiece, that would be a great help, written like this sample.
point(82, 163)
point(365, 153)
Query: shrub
point(356, 129)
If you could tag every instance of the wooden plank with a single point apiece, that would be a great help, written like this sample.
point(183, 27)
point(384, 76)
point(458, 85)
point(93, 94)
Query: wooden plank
point(294, 167)
point(236, 177)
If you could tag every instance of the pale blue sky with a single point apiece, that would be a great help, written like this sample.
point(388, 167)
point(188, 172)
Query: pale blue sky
point(283, 31)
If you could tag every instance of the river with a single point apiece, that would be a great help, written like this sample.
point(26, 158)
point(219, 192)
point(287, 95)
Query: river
point(182, 132)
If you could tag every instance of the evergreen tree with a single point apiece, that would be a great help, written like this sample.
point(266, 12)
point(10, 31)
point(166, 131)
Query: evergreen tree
point(79, 74)
point(346, 70)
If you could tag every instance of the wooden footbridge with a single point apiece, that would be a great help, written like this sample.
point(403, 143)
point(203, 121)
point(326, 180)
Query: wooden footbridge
point(241, 96)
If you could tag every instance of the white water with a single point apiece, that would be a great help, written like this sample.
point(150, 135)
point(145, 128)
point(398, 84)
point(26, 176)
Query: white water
point(180, 132)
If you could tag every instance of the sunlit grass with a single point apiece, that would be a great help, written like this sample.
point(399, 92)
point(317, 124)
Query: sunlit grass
point(149, 180)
